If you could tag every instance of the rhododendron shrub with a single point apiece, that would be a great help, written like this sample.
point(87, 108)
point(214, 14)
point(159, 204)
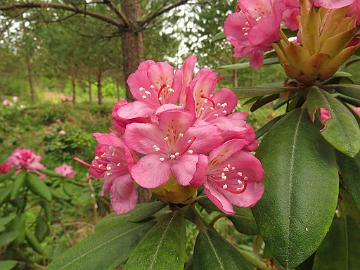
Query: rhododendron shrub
point(310, 150)
point(23, 181)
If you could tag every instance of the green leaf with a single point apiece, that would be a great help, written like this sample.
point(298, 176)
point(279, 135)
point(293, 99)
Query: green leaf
point(38, 187)
point(218, 36)
point(18, 225)
point(46, 206)
point(7, 265)
point(350, 90)
point(301, 189)
point(350, 172)
point(51, 173)
point(5, 220)
point(268, 61)
point(244, 221)
point(144, 211)
point(18, 184)
point(341, 247)
point(41, 229)
point(208, 205)
point(34, 243)
point(245, 92)
point(263, 101)
point(163, 247)
point(267, 127)
point(101, 250)
point(213, 252)
point(341, 130)
point(7, 237)
point(5, 194)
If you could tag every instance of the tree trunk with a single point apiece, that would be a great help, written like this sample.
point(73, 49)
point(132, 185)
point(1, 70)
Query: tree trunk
point(132, 41)
point(90, 91)
point(30, 79)
point(73, 85)
point(118, 91)
point(99, 88)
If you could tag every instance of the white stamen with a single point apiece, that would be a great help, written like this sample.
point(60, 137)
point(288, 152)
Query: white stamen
point(224, 105)
point(108, 173)
point(190, 151)
point(225, 186)
point(118, 164)
point(152, 86)
point(216, 114)
point(246, 178)
point(239, 182)
point(181, 135)
point(189, 141)
point(224, 111)
point(177, 154)
point(96, 157)
point(223, 177)
point(205, 101)
point(162, 159)
point(144, 97)
point(226, 169)
point(219, 104)
point(100, 165)
point(148, 93)
point(166, 138)
point(141, 89)
point(202, 109)
point(108, 167)
point(232, 168)
point(160, 98)
point(172, 156)
point(239, 174)
point(171, 90)
point(212, 108)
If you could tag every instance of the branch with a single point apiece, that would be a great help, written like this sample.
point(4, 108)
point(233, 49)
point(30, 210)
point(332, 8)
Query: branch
point(61, 7)
point(161, 11)
point(117, 11)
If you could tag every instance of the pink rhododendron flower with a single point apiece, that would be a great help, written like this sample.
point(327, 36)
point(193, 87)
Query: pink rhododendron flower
point(231, 176)
point(5, 167)
point(290, 14)
point(112, 162)
point(171, 145)
point(25, 159)
point(170, 138)
point(65, 170)
point(254, 28)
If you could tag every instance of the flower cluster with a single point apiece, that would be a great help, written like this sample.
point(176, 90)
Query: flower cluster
point(65, 170)
point(23, 159)
point(178, 135)
point(255, 25)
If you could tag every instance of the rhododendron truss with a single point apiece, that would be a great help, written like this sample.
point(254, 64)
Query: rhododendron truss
point(166, 139)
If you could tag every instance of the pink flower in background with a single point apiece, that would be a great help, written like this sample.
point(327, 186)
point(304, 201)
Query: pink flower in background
point(7, 102)
point(112, 162)
point(171, 145)
point(231, 176)
point(25, 159)
point(254, 29)
point(65, 170)
point(5, 167)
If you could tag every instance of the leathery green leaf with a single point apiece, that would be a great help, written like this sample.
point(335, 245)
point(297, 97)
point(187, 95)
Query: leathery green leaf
point(301, 189)
point(341, 247)
point(163, 247)
point(215, 253)
point(341, 130)
point(38, 187)
point(104, 248)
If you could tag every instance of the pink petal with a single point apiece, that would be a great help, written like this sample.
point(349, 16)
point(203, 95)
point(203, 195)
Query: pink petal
point(239, 115)
point(175, 121)
point(144, 138)
point(332, 4)
point(184, 168)
point(160, 74)
point(218, 199)
point(135, 111)
point(249, 197)
point(200, 174)
point(150, 172)
point(256, 8)
point(226, 96)
point(225, 151)
point(203, 85)
point(207, 137)
point(138, 81)
point(123, 195)
point(357, 110)
point(325, 115)
point(187, 75)
point(109, 139)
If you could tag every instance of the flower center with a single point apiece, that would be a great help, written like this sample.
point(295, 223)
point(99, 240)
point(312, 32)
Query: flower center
point(231, 179)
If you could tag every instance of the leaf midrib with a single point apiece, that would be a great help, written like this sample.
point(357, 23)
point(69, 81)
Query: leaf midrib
point(291, 177)
point(161, 241)
point(214, 250)
point(101, 245)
